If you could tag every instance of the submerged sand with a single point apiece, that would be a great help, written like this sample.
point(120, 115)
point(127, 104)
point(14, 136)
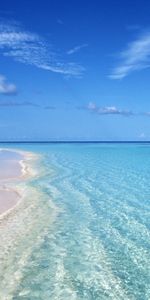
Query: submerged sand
point(8, 199)
point(13, 169)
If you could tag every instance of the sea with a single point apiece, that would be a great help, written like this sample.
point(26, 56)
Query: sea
point(82, 232)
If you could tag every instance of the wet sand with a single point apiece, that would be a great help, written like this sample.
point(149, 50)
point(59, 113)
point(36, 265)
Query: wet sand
point(8, 199)
point(13, 169)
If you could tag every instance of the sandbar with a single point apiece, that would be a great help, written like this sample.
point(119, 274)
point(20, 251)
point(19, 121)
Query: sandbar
point(14, 167)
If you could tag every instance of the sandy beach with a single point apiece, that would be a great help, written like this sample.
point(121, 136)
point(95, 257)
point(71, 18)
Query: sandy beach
point(14, 167)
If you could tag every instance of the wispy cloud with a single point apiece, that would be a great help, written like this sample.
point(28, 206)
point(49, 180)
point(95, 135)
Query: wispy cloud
point(133, 27)
point(142, 135)
point(31, 49)
point(7, 88)
point(76, 49)
point(91, 107)
point(12, 103)
point(108, 110)
point(49, 107)
point(136, 57)
point(147, 113)
point(59, 21)
point(17, 103)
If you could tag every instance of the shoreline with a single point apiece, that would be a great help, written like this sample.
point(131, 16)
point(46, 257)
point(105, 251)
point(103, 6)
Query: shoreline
point(10, 192)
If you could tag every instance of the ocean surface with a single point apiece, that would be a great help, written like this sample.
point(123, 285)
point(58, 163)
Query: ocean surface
point(83, 231)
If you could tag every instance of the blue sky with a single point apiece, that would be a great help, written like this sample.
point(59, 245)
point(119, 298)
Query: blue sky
point(74, 70)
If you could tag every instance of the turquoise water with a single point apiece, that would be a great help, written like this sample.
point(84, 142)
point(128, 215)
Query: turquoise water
point(85, 231)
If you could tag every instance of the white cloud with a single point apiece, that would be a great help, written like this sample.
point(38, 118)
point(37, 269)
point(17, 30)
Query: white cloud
point(31, 49)
point(76, 49)
point(136, 57)
point(7, 88)
point(108, 110)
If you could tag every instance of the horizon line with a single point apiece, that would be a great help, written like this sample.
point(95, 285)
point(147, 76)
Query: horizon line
point(71, 141)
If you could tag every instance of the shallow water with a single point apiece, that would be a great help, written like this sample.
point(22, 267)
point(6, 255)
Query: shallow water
point(83, 231)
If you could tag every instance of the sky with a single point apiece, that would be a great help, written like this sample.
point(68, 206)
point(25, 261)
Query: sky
point(75, 70)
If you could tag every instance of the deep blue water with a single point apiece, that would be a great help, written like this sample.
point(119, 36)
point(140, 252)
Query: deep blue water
point(85, 231)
